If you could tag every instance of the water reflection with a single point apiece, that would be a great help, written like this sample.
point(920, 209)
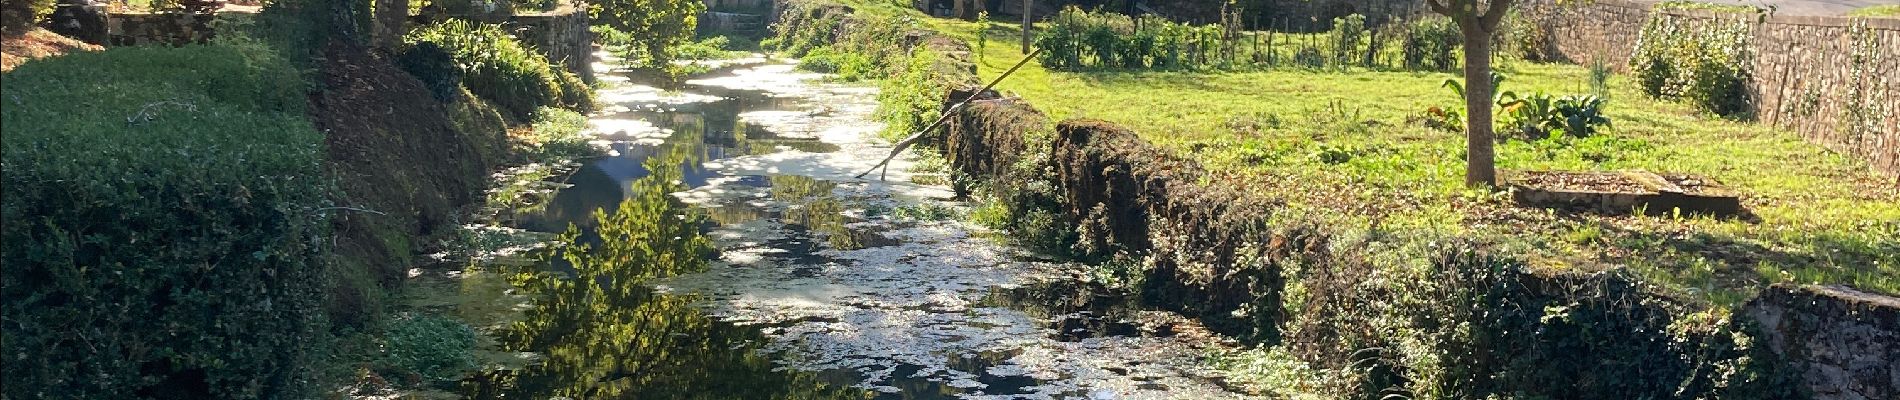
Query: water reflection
point(708, 131)
point(811, 206)
point(604, 334)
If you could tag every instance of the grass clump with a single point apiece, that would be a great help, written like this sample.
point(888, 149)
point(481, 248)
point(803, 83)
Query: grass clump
point(165, 212)
point(556, 134)
point(501, 70)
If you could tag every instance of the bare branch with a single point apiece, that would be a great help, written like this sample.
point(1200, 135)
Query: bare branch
point(1438, 6)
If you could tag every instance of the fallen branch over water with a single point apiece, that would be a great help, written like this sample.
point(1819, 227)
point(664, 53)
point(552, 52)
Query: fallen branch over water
point(947, 112)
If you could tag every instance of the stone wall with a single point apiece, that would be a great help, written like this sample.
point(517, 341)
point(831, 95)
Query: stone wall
point(1845, 343)
point(1809, 73)
point(134, 29)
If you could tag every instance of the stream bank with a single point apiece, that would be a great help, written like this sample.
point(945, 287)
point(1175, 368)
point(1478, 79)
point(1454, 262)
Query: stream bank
point(733, 256)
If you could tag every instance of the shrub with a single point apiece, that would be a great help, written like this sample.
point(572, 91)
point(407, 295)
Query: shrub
point(502, 71)
point(1079, 39)
point(1347, 34)
point(165, 210)
point(850, 66)
point(712, 48)
point(429, 347)
point(912, 97)
point(1706, 65)
point(1430, 42)
point(1528, 37)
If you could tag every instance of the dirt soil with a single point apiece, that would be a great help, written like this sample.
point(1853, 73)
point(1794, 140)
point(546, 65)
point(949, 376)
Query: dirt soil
point(404, 170)
point(37, 43)
point(1580, 181)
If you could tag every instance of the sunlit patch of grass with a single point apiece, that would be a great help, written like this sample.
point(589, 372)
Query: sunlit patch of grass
point(1883, 11)
point(1826, 217)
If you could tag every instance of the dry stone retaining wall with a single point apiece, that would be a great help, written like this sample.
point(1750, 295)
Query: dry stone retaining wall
point(1845, 343)
point(1834, 80)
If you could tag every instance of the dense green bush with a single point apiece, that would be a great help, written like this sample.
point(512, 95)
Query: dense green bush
point(1704, 64)
point(165, 215)
point(1078, 39)
point(1431, 43)
point(499, 69)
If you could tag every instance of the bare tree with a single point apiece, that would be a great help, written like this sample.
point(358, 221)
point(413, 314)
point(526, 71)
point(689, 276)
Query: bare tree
point(1477, 28)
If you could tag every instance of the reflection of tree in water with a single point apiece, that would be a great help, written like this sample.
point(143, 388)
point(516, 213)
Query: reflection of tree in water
point(810, 204)
point(605, 334)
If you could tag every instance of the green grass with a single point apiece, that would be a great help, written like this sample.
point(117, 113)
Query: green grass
point(1732, 6)
point(1342, 143)
point(1886, 11)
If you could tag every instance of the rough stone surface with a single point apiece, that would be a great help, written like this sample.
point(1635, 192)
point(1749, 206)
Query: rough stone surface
point(170, 28)
point(1845, 343)
point(1805, 71)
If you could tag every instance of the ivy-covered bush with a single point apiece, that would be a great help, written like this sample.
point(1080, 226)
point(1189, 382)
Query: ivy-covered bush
point(499, 69)
point(165, 212)
point(1705, 64)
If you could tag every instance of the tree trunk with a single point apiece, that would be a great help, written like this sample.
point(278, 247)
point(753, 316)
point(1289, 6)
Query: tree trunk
point(391, 16)
point(1480, 158)
point(1026, 7)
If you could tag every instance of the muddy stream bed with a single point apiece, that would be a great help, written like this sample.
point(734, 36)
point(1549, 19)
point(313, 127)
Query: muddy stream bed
point(816, 285)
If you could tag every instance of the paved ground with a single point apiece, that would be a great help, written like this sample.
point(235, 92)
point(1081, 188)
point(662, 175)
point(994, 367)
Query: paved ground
point(1808, 7)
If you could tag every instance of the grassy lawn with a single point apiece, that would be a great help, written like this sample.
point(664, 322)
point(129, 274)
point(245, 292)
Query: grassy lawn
point(1886, 11)
point(1341, 143)
point(1346, 147)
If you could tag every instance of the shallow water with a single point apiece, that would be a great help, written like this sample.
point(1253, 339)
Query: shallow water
point(737, 258)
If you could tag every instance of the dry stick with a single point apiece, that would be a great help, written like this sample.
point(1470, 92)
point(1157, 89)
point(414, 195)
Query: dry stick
point(907, 142)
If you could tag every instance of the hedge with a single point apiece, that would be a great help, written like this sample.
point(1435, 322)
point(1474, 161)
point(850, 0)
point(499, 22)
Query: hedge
point(163, 221)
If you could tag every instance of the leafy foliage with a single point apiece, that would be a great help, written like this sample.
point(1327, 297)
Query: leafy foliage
point(1430, 43)
point(1705, 64)
point(1078, 39)
point(1348, 34)
point(1540, 115)
point(499, 69)
point(165, 224)
point(657, 27)
point(850, 66)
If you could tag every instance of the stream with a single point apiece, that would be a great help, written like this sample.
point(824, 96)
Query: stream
point(722, 250)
